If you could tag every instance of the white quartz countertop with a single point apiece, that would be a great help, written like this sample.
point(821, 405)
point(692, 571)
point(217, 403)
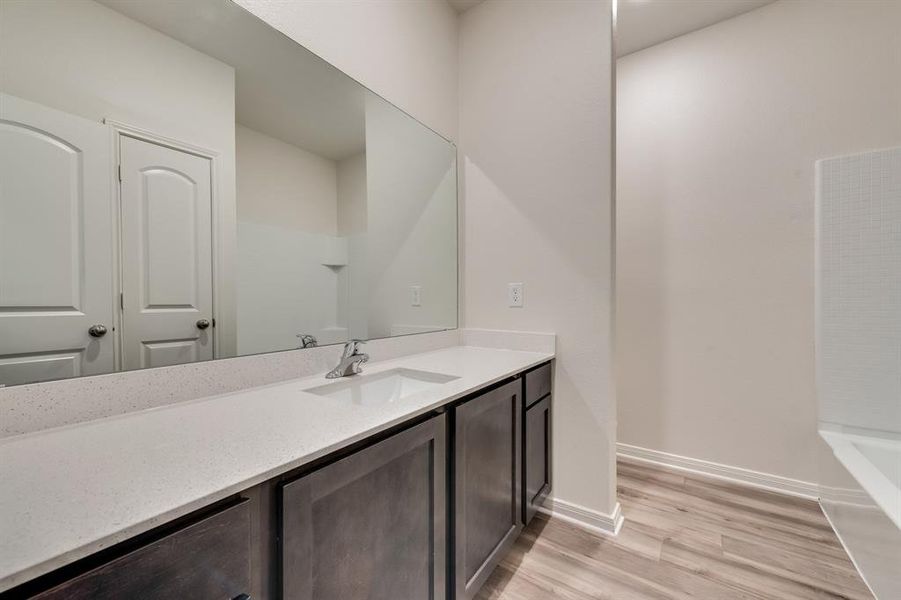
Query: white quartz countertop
point(68, 492)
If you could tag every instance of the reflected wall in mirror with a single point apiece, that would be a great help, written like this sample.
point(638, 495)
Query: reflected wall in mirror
point(181, 182)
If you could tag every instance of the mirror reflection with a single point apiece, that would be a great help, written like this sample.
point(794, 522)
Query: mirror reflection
point(181, 182)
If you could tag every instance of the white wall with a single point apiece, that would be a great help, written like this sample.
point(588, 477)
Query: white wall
point(287, 224)
point(352, 280)
point(83, 58)
point(405, 51)
point(535, 136)
point(411, 224)
point(718, 132)
point(280, 184)
point(351, 191)
point(80, 57)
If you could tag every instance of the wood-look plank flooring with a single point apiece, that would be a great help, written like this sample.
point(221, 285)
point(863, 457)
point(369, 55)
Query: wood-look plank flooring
point(684, 537)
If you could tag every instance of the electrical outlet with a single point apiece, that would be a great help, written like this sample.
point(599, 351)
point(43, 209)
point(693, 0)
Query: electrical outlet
point(514, 295)
point(415, 295)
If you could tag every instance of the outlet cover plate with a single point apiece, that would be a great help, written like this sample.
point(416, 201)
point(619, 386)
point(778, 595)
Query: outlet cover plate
point(514, 295)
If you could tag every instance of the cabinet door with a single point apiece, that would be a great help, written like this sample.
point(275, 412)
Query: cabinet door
point(371, 525)
point(207, 559)
point(536, 457)
point(487, 476)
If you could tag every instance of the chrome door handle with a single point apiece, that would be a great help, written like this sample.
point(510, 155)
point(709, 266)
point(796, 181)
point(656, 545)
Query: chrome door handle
point(97, 331)
point(203, 323)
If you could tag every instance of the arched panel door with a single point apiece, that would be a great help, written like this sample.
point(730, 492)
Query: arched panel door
point(56, 244)
point(167, 259)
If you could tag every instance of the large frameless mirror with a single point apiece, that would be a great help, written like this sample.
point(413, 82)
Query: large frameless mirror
point(181, 182)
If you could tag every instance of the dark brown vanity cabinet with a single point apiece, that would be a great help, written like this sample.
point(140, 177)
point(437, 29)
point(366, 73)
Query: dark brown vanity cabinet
point(210, 558)
point(536, 464)
point(423, 511)
point(487, 449)
point(371, 525)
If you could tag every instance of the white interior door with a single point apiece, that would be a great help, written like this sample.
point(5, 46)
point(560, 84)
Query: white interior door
point(167, 264)
point(56, 244)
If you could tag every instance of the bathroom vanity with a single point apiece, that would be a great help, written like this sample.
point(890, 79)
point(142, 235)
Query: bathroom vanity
point(409, 481)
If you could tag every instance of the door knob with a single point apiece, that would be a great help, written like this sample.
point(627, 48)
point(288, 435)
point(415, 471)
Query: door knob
point(203, 323)
point(97, 331)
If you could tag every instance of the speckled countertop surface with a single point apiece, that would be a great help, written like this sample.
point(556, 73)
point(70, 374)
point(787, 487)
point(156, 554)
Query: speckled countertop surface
point(68, 492)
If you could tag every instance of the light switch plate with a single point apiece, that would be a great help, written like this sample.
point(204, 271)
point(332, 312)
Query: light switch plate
point(415, 295)
point(514, 295)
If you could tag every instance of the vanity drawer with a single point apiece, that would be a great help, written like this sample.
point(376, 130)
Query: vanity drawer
point(538, 384)
point(209, 558)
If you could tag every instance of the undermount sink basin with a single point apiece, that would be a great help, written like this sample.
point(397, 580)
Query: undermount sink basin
point(379, 388)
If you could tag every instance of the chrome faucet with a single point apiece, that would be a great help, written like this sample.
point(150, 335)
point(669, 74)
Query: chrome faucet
point(350, 361)
point(307, 340)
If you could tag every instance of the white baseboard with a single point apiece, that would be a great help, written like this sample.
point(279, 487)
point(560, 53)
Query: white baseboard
point(593, 520)
point(852, 497)
point(766, 481)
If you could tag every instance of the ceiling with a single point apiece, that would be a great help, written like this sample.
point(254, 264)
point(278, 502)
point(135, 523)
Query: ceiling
point(644, 23)
point(281, 89)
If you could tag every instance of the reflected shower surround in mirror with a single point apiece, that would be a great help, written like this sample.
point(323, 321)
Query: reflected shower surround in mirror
point(171, 196)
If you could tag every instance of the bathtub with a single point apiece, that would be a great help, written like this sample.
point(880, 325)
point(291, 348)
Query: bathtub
point(860, 493)
point(874, 460)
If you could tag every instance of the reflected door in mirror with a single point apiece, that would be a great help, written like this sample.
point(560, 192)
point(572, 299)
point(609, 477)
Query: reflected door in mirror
point(56, 244)
point(167, 264)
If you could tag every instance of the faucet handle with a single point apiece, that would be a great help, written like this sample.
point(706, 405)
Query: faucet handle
point(351, 347)
point(307, 340)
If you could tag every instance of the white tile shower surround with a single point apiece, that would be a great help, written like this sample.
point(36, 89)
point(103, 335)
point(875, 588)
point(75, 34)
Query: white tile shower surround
point(156, 465)
point(859, 289)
